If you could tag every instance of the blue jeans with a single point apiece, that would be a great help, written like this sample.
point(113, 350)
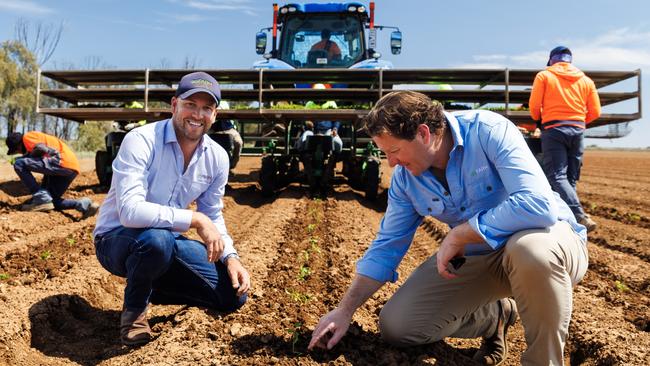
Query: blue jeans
point(563, 148)
point(163, 269)
point(56, 179)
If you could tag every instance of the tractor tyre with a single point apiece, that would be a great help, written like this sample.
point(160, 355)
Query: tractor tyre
point(372, 178)
point(102, 168)
point(268, 176)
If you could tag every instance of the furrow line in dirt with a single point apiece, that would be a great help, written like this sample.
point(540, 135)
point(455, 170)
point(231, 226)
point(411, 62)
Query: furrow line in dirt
point(51, 256)
point(614, 213)
point(623, 285)
point(599, 334)
point(603, 242)
point(616, 199)
point(259, 229)
point(63, 318)
point(611, 178)
point(618, 236)
point(22, 231)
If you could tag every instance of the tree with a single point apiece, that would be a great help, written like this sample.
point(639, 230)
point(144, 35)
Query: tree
point(18, 85)
point(41, 39)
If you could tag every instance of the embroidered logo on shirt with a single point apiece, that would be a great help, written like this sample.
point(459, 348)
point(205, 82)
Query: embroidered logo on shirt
point(205, 178)
point(480, 170)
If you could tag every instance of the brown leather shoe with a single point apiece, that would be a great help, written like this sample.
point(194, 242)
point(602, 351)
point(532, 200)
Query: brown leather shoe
point(494, 349)
point(134, 328)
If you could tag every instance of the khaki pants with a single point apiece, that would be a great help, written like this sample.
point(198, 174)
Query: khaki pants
point(537, 267)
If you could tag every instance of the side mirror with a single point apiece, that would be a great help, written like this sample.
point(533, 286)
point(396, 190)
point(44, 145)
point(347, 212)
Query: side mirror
point(260, 43)
point(396, 42)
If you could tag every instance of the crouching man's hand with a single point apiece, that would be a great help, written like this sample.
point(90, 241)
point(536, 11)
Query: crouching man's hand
point(330, 329)
point(209, 234)
point(239, 276)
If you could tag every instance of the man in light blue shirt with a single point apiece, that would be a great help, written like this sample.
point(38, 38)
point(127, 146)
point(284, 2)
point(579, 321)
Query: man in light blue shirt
point(160, 169)
point(510, 236)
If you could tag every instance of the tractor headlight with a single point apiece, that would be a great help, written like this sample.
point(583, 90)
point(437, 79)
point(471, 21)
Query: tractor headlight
point(283, 10)
point(361, 9)
point(292, 9)
point(352, 8)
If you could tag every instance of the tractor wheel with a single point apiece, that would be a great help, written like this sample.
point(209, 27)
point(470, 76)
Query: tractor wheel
point(268, 176)
point(102, 168)
point(372, 178)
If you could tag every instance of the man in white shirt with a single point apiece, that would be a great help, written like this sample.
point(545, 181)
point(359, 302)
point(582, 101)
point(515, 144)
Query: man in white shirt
point(160, 169)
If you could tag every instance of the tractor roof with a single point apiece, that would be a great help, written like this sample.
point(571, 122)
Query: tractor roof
point(352, 7)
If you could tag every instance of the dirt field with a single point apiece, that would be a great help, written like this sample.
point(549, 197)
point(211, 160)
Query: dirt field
point(60, 307)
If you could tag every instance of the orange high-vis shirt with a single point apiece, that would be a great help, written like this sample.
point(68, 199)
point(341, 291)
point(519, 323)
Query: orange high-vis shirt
point(563, 92)
point(68, 158)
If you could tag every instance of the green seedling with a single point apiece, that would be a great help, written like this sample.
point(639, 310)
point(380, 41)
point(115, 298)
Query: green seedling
point(621, 286)
point(299, 297)
point(305, 255)
point(311, 228)
point(634, 217)
point(46, 255)
point(313, 242)
point(304, 272)
point(295, 335)
point(71, 241)
point(4, 276)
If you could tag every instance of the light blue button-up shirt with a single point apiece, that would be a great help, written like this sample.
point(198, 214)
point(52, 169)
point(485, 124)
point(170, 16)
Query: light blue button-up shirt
point(495, 184)
point(150, 189)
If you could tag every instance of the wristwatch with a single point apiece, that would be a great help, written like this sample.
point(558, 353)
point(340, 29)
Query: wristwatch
point(231, 255)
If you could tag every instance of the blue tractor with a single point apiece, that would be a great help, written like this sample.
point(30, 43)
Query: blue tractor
point(329, 35)
point(322, 36)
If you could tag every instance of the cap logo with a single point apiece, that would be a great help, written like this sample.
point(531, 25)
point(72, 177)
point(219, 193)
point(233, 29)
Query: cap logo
point(201, 83)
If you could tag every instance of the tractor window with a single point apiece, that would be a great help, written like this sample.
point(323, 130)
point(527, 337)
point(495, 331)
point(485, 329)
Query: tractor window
point(303, 44)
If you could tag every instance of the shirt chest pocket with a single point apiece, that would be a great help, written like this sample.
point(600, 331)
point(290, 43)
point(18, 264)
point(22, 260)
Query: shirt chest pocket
point(484, 188)
point(429, 207)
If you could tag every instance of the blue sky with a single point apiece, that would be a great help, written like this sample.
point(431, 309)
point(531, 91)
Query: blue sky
point(603, 35)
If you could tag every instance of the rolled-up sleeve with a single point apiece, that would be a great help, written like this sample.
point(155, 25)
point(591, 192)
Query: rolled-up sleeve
point(131, 185)
point(395, 235)
point(210, 203)
point(530, 203)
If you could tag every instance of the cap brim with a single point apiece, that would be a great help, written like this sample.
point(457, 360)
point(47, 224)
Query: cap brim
point(199, 90)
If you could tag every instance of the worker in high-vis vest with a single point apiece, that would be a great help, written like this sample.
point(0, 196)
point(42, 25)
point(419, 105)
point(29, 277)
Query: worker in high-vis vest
point(51, 157)
point(566, 101)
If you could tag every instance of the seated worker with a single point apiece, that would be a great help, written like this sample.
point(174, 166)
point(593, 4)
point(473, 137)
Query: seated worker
point(301, 143)
point(333, 50)
point(51, 157)
point(227, 126)
point(329, 128)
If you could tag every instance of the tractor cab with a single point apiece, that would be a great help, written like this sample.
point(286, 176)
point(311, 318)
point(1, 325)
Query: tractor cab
point(331, 36)
point(322, 40)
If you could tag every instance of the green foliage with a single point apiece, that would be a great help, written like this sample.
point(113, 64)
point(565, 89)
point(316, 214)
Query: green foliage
point(311, 228)
point(294, 331)
point(91, 136)
point(4, 276)
point(18, 68)
point(46, 255)
point(314, 248)
point(304, 272)
point(299, 297)
point(634, 217)
point(71, 241)
point(622, 287)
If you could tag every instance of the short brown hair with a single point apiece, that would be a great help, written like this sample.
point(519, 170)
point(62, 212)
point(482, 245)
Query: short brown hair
point(401, 112)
